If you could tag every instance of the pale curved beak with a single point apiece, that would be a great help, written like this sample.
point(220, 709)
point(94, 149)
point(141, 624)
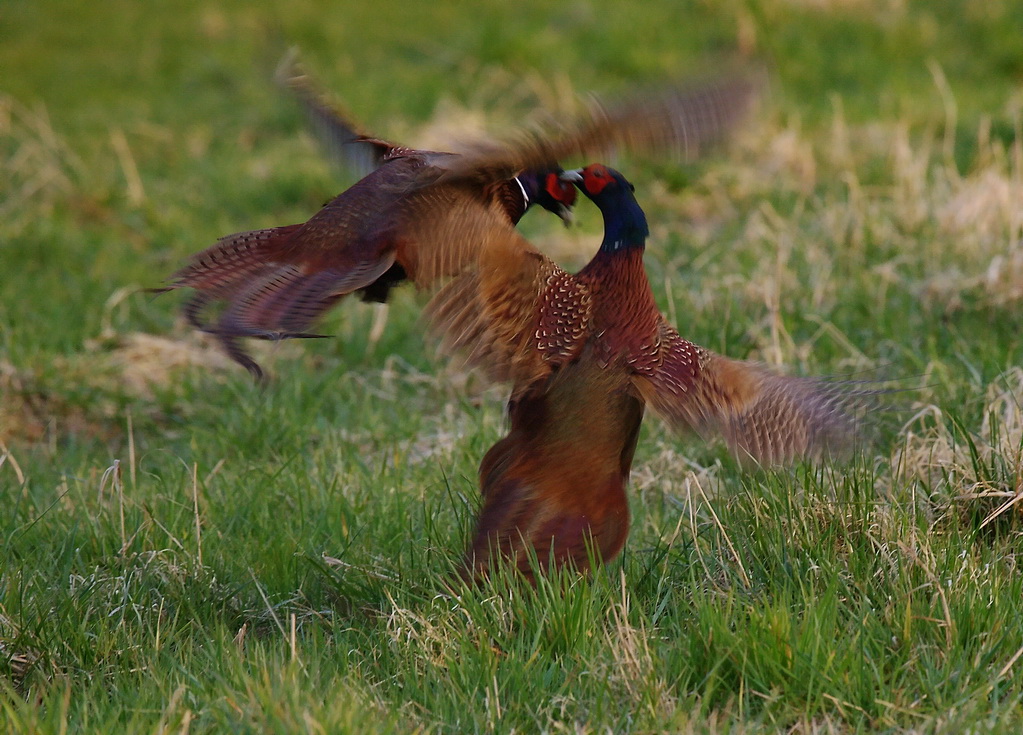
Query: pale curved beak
point(575, 175)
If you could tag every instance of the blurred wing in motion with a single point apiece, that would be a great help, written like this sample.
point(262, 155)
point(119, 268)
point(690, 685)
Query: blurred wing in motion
point(768, 418)
point(353, 151)
point(275, 283)
point(509, 309)
point(678, 122)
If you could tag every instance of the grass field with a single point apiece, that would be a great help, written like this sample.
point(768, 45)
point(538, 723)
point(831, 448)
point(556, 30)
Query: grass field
point(181, 551)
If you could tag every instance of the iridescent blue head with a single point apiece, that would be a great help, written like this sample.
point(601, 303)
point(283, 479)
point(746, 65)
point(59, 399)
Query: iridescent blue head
point(624, 222)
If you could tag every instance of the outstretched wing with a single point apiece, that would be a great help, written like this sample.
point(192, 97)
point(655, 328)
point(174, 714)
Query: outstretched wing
point(352, 150)
point(677, 122)
point(274, 283)
point(262, 292)
point(762, 416)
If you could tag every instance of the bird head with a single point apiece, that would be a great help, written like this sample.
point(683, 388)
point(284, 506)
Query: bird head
point(550, 191)
point(625, 224)
point(595, 178)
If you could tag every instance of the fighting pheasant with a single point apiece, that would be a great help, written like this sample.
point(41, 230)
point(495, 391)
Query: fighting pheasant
point(362, 153)
point(406, 219)
point(586, 354)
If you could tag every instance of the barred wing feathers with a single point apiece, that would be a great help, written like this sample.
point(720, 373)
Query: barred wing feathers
point(762, 416)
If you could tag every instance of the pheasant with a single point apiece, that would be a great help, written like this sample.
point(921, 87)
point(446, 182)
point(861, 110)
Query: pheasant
point(276, 282)
point(364, 153)
point(405, 219)
point(586, 355)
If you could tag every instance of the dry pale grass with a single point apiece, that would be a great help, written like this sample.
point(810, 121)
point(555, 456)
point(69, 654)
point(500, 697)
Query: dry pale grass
point(39, 169)
point(668, 466)
point(979, 219)
point(631, 670)
point(147, 361)
point(39, 406)
point(446, 432)
point(964, 230)
point(939, 459)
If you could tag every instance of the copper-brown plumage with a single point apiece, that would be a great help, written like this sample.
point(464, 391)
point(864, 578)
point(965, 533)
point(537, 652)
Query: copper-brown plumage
point(555, 485)
point(586, 354)
point(426, 217)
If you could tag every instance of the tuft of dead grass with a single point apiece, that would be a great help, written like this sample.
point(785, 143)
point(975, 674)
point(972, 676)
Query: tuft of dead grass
point(986, 467)
point(631, 670)
point(39, 169)
point(37, 407)
point(147, 361)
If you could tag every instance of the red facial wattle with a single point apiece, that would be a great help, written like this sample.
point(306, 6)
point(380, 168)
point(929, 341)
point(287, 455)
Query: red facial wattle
point(561, 191)
point(595, 178)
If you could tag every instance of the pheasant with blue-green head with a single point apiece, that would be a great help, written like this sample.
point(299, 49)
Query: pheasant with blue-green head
point(587, 354)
